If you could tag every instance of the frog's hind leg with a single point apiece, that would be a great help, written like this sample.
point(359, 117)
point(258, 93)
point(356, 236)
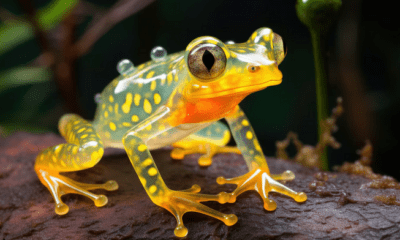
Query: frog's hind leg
point(83, 150)
point(209, 141)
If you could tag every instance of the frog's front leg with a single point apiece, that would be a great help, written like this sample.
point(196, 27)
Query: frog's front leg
point(83, 150)
point(258, 178)
point(209, 141)
point(177, 202)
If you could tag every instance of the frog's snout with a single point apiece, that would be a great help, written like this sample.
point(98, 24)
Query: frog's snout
point(272, 74)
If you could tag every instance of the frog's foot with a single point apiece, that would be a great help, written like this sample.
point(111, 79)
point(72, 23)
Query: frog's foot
point(207, 149)
point(60, 185)
point(260, 181)
point(181, 202)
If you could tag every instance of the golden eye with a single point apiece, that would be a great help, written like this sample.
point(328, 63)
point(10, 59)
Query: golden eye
point(253, 68)
point(207, 61)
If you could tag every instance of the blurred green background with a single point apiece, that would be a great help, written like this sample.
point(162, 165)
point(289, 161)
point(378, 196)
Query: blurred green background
point(56, 55)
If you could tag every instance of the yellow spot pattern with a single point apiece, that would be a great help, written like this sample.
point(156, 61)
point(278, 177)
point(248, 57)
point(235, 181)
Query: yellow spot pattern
point(112, 126)
point(245, 123)
point(57, 150)
point(136, 99)
point(135, 118)
point(152, 189)
point(266, 37)
point(147, 106)
point(75, 150)
point(111, 98)
point(257, 145)
point(105, 114)
point(148, 127)
point(147, 162)
point(97, 154)
point(169, 78)
point(153, 85)
point(157, 98)
point(249, 135)
point(126, 107)
point(116, 108)
point(150, 74)
point(152, 171)
point(254, 35)
point(126, 124)
point(142, 147)
point(143, 181)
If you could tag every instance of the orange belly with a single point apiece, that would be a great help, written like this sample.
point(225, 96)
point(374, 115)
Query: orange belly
point(208, 109)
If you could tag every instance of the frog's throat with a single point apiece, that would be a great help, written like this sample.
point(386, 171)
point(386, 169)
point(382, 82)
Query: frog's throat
point(240, 90)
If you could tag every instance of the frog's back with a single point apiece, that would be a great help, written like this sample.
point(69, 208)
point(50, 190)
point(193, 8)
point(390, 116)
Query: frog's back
point(135, 95)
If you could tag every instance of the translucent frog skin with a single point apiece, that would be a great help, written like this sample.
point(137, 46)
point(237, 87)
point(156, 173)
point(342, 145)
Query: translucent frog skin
point(175, 99)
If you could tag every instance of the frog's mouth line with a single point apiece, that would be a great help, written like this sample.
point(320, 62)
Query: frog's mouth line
point(247, 89)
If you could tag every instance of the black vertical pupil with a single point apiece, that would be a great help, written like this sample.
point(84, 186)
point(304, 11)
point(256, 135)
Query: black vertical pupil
point(208, 59)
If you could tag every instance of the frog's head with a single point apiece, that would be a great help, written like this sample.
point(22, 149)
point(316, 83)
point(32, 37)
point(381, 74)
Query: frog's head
point(216, 69)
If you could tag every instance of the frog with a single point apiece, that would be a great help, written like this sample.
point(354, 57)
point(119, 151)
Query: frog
point(177, 99)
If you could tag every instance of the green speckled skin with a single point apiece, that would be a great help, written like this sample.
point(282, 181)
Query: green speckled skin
point(151, 83)
point(175, 99)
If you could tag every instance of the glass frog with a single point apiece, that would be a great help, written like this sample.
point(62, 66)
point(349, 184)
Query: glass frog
point(177, 100)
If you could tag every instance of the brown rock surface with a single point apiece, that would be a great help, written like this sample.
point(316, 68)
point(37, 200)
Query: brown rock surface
point(335, 209)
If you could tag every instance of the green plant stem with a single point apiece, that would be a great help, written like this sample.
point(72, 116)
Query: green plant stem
point(321, 78)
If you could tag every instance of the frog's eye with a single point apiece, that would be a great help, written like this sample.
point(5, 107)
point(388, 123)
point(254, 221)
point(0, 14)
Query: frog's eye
point(280, 49)
point(206, 61)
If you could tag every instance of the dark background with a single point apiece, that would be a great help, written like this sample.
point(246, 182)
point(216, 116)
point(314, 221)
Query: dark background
point(363, 58)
